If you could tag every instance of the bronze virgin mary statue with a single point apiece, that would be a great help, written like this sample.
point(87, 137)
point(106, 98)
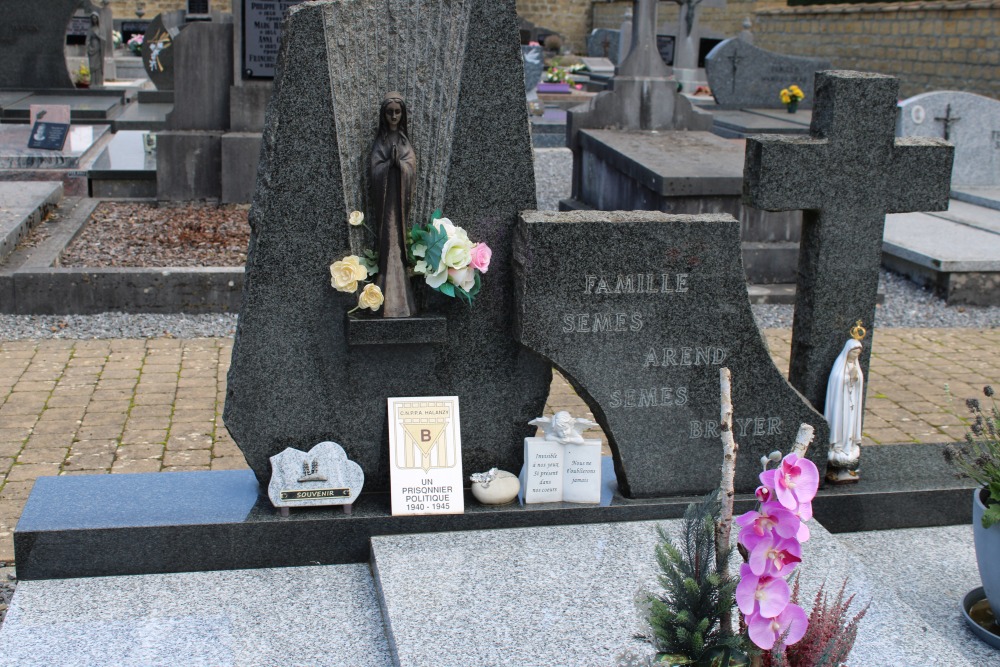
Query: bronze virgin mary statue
point(393, 177)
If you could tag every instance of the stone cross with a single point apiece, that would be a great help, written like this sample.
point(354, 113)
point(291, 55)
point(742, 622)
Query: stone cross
point(947, 120)
point(845, 177)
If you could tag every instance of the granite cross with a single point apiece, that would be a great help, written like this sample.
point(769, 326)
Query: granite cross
point(845, 177)
point(947, 120)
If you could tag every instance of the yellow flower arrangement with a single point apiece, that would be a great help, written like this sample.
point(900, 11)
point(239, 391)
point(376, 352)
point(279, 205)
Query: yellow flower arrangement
point(791, 94)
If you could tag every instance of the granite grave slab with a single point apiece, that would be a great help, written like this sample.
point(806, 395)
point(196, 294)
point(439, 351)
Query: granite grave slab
point(317, 616)
point(22, 206)
point(970, 122)
point(741, 123)
point(743, 75)
point(845, 176)
point(294, 378)
point(639, 310)
point(87, 107)
point(81, 145)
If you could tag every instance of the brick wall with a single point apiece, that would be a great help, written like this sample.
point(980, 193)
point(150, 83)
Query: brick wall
point(570, 18)
point(125, 9)
point(928, 45)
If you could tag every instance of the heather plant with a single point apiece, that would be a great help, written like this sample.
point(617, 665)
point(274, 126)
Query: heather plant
point(828, 639)
point(979, 456)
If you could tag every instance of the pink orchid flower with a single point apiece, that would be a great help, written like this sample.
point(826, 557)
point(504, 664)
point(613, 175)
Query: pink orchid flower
point(763, 494)
point(765, 632)
point(775, 555)
point(766, 596)
point(804, 513)
point(795, 481)
point(770, 516)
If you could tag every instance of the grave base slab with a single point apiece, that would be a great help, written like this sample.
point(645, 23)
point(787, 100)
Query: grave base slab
point(101, 525)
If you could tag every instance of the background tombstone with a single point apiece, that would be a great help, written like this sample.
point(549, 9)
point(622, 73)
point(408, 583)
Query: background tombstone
point(189, 151)
point(639, 310)
point(298, 376)
point(688, 45)
point(32, 43)
point(604, 43)
point(846, 176)
point(534, 67)
point(970, 122)
point(158, 48)
point(742, 75)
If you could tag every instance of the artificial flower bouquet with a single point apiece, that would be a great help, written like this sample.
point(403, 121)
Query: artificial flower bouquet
point(448, 260)
point(792, 95)
point(134, 44)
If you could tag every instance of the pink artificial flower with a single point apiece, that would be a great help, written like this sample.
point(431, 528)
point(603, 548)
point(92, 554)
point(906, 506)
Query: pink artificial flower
point(804, 512)
point(763, 494)
point(765, 596)
point(770, 516)
point(578, 86)
point(481, 255)
point(795, 481)
point(775, 555)
point(765, 632)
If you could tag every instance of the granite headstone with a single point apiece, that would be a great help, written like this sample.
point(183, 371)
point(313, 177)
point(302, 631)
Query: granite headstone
point(534, 67)
point(298, 372)
point(639, 310)
point(742, 75)
point(845, 177)
point(158, 48)
point(604, 43)
point(970, 122)
point(32, 43)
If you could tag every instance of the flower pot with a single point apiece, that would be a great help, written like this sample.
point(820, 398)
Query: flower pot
point(553, 88)
point(987, 542)
point(792, 106)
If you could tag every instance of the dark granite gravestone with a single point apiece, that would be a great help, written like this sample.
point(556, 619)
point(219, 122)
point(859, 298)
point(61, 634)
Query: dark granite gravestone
point(845, 177)
point(32, 43)
point(742, 75)
point(158, 48)
point(639, 310)
point(296, 378)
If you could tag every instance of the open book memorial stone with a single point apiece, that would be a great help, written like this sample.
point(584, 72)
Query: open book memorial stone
point(562, 465)
point(639, 310)
point(321, 476)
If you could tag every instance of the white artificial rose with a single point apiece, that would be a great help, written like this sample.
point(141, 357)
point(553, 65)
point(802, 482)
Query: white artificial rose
point(464, 278)
point(437, 279)
point(370, 297)
point(356, 218)
point(457, 252)
point(345, 273)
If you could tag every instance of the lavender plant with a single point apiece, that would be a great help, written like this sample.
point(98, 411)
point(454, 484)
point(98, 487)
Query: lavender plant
point(979, 456)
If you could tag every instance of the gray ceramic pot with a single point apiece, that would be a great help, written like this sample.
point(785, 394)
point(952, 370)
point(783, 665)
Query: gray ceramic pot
point(987, 550)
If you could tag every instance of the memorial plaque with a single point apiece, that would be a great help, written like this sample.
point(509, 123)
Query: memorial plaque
point(665, 45)
point(131, 28)
point(262, 20)
point(639, 310)
point(76, 31)
point(48, 136)
point(322, 476)
point(197, 7)
point(425, 456)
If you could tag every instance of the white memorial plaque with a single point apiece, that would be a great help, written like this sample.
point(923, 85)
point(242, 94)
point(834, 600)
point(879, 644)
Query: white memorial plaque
point(562, 465)
point(322, 476)
point(425, 456)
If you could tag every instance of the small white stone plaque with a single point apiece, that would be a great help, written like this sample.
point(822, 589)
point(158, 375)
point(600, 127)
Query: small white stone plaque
point(322, 476)
point(425, 456)
point(562, 472)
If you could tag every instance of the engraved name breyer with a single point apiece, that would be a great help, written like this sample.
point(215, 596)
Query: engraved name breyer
point(746, 426)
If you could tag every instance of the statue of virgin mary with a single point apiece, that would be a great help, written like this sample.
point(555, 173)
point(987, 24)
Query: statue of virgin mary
point(845, 392)
point(393, 175)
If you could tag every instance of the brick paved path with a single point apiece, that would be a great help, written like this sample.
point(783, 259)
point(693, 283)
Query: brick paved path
point(89, 407)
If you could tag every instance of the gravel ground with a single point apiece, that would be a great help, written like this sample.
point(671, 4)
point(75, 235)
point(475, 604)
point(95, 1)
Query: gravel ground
point(906, 305)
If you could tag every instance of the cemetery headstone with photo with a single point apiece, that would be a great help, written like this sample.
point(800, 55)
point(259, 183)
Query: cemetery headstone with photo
point(970, 122)
point(639, 310)
point(743, 76)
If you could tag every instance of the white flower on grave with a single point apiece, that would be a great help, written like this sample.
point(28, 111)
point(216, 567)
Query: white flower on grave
point(370, 297)
point(356, 218)
point(464, 278)
point(418, 250)
point(457, 251)
point(437, 278)
point(345, 273)
point(420, 267)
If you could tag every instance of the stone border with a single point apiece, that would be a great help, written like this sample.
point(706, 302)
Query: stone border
point(32, 283)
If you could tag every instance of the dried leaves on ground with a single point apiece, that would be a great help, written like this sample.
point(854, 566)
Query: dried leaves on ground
point(121, 234)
